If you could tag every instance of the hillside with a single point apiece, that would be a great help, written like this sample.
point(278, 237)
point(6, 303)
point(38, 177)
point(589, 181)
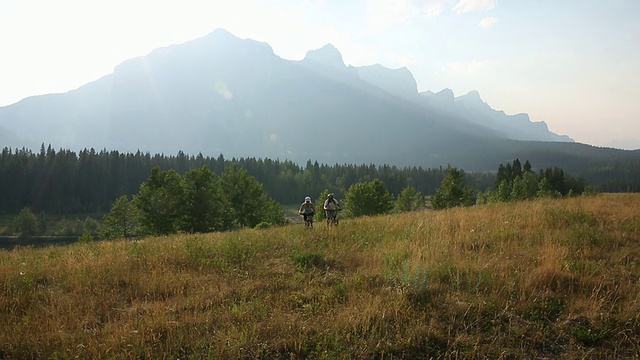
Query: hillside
point(542, 279)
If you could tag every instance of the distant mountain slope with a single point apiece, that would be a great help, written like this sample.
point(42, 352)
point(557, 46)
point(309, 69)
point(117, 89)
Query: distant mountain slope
point(221, 94)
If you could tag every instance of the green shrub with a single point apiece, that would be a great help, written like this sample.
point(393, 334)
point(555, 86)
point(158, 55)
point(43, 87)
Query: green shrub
point(263, 225)
point(589, 337)
point(308, 260)
point(545, 310)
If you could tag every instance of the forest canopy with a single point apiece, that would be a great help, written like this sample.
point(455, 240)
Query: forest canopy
point(65, 182)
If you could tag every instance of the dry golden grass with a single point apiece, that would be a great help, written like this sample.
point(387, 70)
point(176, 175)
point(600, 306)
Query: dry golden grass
point(543, 279)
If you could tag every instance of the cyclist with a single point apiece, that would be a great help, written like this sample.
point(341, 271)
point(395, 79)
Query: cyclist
point(307, 210)
point(331, 207)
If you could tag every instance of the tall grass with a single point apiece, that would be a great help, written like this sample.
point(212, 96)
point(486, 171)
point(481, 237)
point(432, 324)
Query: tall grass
point(543, 279)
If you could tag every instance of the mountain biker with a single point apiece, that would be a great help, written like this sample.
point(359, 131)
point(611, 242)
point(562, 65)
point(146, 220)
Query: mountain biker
point(307, 209)
point(331, 207)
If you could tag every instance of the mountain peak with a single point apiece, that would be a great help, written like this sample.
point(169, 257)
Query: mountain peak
point(445, 93)
point(220, 32)
point(327, 55)
point(399, 82)
point(217, 36)
point(472, 95)
point(444, 96)
point(222, 36)
point(473, 99)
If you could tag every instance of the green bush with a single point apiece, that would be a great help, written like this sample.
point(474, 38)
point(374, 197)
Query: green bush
point(263, 225)
point(589, 337)
point(25, 223)
point(370, 198)
point(307, 260)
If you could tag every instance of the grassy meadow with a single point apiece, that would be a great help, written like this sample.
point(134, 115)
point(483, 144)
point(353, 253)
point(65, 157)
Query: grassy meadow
point(547, 279)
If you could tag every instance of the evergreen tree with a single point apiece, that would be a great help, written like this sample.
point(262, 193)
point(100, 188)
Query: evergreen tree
point(501, 175)
point(544, 189)
point(504, 192)
point(509, 171)
point(516, 169)
point(518, 191)
point(530, 184)
point(487, 197)
point(453, 191)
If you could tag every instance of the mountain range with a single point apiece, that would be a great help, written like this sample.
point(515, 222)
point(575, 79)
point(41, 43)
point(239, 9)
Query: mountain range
point(220, 94)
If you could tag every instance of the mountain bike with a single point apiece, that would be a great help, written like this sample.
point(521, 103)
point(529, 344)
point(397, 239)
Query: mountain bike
point(332, 217)
point(308, 221)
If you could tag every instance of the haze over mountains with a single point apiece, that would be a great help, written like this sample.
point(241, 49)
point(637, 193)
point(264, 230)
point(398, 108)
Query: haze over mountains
point(221, 94)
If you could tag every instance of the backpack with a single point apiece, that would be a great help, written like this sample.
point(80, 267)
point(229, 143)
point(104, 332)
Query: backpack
point(335, 204)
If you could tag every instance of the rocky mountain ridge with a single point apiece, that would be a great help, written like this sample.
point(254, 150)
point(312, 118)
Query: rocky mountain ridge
point(222, 94)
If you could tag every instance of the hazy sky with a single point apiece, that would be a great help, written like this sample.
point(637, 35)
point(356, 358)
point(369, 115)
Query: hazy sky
point(574, 64)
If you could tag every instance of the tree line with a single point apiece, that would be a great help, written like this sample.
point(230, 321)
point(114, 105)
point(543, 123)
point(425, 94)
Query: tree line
point(88, 182)
point(513, 182)
point(201, 201)
point(63, 182)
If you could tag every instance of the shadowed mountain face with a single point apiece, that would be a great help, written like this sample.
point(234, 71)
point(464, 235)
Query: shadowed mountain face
point(221, 94)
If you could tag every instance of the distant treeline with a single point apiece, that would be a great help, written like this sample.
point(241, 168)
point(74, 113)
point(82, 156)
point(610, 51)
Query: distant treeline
point(617, 177)
point(65, 182)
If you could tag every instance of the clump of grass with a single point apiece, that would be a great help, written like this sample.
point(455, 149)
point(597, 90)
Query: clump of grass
point(414, 282)
point(590, 337)
point(306, 260)
point(546, 310)
point(411, 281)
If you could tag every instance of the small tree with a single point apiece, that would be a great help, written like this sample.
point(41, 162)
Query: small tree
point(518, 191)
point(273, 213)
point(25, 224)
point(483, 198)
point(371, 198)
point(591, 190)
point(530, 181)
point(504, 191)
point(120, 222)
point(409, 199)
point(544, 189)
point(86, 237)
point(453, 191)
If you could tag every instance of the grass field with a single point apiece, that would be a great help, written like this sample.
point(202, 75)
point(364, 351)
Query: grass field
point(546, 279)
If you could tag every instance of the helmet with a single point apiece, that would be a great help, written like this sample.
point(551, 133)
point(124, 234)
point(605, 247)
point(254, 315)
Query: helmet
point(330, 196)
point(307, 199)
